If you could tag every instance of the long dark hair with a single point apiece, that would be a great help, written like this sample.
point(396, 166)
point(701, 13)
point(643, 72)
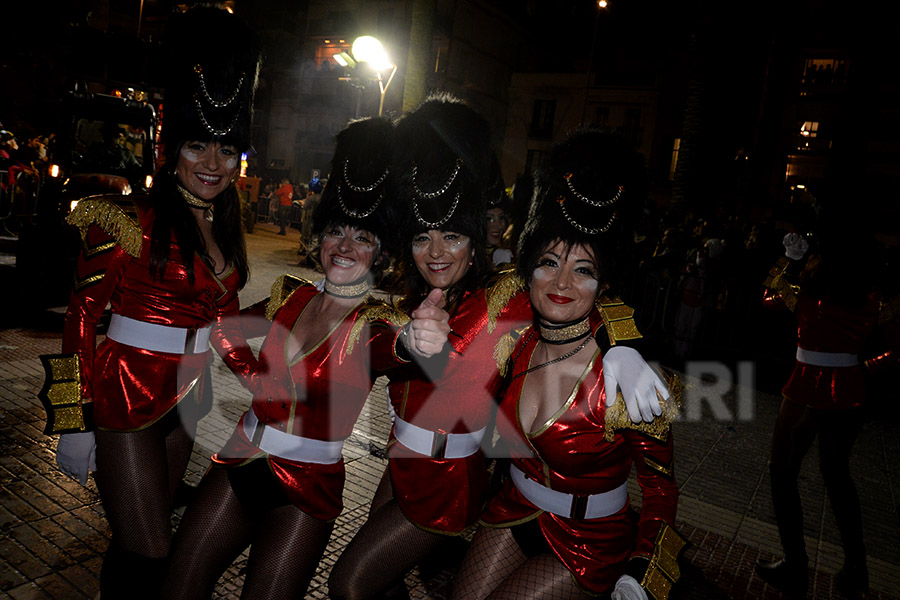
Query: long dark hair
point(174, 216)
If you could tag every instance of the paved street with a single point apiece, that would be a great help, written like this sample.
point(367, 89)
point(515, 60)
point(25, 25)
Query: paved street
point(54, 533)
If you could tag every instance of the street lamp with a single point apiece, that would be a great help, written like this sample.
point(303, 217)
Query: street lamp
point(367, 49)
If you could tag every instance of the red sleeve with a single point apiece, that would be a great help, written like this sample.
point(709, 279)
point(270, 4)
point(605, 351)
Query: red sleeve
point(229, 341)
point(653, 460)
point(98, 272)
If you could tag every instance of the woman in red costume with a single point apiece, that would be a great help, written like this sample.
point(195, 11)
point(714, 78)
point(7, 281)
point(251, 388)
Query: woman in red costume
point(437, 479)
point(837, 312)
point(562, 526)
point(276, 485)
point(171, 267)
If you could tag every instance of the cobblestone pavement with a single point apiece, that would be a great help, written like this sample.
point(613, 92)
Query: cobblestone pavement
point(53, 533)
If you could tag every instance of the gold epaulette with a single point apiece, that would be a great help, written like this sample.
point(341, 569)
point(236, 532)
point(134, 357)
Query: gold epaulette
point(375, 310)
point(663, 570)
point(776, 282)
point(61, 394)
point(504, 347)
point(618, 318)
point(617, 414)
point(499, 295)
point(111, 218)
point(281, 290)
point(889, 310)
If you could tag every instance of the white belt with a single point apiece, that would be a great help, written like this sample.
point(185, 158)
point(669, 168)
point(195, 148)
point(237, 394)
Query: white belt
point(437, 444)
point(570, 506)
point(826, 359)
point(292, 447)
point(158, 338)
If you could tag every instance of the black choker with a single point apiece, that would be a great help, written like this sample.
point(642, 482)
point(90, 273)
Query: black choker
point(350, 290)
point(563, 333)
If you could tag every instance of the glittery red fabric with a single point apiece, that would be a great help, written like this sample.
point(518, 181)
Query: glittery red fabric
point(318, 395)
point(447, 495)
point(132, 387)
point(825, 327)
point(570, 455)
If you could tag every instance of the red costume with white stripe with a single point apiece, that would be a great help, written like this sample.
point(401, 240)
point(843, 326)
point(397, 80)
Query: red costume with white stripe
point(570, 454)
point(318, 395)
point(132, 387)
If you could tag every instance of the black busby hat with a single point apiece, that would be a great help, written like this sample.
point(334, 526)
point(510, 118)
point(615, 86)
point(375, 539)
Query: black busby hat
point(591, 190)
point(213, 62)
point(360, 170)
point(444, 164)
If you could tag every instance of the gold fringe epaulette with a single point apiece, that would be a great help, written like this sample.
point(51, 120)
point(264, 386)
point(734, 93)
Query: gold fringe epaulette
point(504, 348)
point(663, 570)
point(617, 414)
point(281, 290)
point(618, 318)
point(375, 310)
point(499, 295)
point(889, 310)
point(103, 212)
point(776, 282)
point(61, 393)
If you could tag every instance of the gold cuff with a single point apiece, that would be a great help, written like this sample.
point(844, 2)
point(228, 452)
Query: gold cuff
point(61, 394)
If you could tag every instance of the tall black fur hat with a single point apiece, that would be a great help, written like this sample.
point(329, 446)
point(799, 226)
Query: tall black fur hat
point(213, 62)
point(444, 164)
point(360, 177)
point(592, 190)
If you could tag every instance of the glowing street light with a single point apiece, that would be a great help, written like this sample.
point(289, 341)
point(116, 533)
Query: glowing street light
point(367, 49)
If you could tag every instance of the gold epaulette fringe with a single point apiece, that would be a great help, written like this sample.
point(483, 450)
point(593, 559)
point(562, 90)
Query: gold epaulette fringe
point(889, 310)
point(617, 414)
point(504, 348)
point(281, 290)
point(663, 570)
point(499, 295)
point(375, 310)
point(103, 212)
point(776, 282)
point(618, 318)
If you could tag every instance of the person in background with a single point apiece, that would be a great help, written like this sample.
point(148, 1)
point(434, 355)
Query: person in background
point(249, 188)
point(171, 275)
point(498, 222)
point(832, 293)
point(285, 194)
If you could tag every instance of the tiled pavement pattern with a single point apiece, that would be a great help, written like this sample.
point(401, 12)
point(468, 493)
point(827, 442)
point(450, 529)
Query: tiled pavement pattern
point(52, 530)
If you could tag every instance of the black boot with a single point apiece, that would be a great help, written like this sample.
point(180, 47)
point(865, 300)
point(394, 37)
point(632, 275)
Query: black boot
point(792, 579)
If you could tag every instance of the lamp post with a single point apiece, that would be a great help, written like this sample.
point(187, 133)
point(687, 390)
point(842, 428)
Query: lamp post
point(367, 49)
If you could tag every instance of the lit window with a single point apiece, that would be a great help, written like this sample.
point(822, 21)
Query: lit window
point(809, 129)
point(676, 146)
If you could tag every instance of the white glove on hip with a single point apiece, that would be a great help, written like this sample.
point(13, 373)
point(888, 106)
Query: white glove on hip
point(626, 369)
point(76, 455)
point(627, 588)
point(795, 246)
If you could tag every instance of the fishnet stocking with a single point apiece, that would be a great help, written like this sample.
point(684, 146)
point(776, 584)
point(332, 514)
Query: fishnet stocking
point(493, 556)
point(385, 548)
point(137, 473)
point(383, 493)
point(285, 545)
point(542, 577)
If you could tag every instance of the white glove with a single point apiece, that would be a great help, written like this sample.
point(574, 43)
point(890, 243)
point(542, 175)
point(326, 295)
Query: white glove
point(627, 588)
point(626, 369)
point(75, 455)
point(795, 246)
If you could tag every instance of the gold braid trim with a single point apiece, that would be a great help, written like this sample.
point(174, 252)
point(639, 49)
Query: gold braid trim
point(103, 212)
point(776, 282)
point(375, 310)
point(617, 414)
point(499, 295)
point(281, 290)
point(618, 318)
point(505, 345)
point(61, 393)
point(663, 570)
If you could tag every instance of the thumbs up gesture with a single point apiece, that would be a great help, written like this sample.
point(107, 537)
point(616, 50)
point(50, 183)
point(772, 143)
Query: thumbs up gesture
point(427, 333)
